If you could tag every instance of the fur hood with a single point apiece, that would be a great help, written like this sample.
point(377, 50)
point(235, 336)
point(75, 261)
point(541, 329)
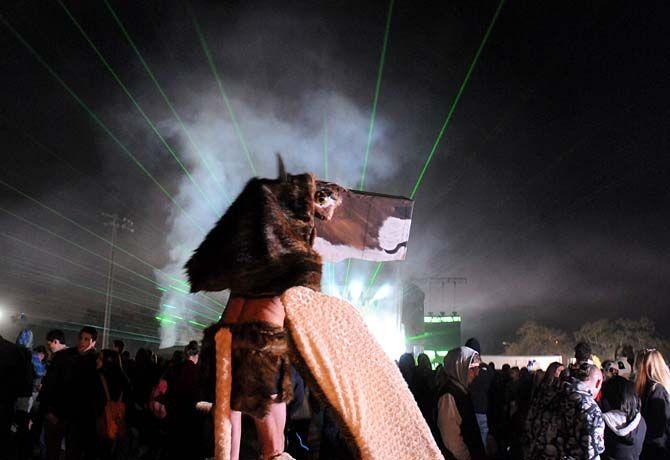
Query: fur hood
point(262, 245)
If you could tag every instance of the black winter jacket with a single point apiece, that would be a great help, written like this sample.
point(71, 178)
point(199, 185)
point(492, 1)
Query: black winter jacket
point(656, 412)
point(623, 438)
point(16, 372)
point(54, 393)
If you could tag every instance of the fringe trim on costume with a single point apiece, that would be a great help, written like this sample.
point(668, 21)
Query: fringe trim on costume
point(222, 425)
point(260, 364)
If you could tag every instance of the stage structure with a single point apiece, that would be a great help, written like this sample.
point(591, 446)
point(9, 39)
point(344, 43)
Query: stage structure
point(430, 329)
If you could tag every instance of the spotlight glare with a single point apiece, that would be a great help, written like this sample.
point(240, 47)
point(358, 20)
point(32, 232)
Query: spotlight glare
point(384, 327)
point(355, 291)
point(383, 292)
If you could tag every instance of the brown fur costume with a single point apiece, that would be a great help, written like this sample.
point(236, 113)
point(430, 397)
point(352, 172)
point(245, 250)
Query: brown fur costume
point(260, 367)
point(262, 246)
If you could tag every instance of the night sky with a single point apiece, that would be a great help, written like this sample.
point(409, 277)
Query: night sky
point(548, 191)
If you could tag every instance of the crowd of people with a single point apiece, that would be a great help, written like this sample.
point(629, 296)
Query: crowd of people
point(578, 411)
point(61, 402)
point(78, 403)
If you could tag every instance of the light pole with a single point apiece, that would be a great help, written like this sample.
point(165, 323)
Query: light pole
point(117, 223)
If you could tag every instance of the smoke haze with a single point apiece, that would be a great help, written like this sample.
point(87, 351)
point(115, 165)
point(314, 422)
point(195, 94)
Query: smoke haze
point(545, 193)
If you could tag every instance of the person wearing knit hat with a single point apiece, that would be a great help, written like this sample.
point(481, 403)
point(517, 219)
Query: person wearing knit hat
point(474, 344)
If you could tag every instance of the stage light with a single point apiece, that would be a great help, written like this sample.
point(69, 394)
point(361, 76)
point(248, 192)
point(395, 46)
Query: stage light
point(383, 292)
point(384, 327)
point(355, 291)
point(333, 290)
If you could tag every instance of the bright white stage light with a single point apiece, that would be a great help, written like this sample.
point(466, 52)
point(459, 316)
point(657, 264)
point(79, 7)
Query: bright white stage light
point(383, 292)
point(385, 328)
point(355, 291)
point(333, 290)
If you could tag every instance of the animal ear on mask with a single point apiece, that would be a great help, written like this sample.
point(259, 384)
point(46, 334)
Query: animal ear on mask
point(283, 177)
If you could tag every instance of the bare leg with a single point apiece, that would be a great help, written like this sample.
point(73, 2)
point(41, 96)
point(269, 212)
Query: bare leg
point(236, 431)
point(270, 430)
point(278, 412)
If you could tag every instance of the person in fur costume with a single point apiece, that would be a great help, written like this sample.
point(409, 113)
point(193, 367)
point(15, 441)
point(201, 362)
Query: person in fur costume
point(269, 232)
point(262, 250)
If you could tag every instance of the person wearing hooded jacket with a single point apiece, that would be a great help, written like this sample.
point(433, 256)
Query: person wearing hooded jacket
point(456, 420)
point(625, 427)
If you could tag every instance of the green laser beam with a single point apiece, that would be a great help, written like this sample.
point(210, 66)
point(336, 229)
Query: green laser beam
point(165, 320)
point(76, 264)
point(85, 213)
point(97, 119)
point(73, 243)
point(32, 224)
point(378, 84)
point(195, 323)
point(179, 289)
point(101, 238)
point(104, 275)
point(119, 331)
point(373, 117)
point(373, 278)
point(36, 300)
point(332, 274)
point(88, 288)
point(70, 307)
point(196, 148)
point(455, 101)
point(114, 194)
point(103, 293)
point(212, 66)
point(346, 277)
point(81, 227)
point(138, 107)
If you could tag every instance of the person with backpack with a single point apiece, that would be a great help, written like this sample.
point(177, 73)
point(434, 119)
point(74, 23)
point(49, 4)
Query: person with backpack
point(116, 391)
point(184, 420)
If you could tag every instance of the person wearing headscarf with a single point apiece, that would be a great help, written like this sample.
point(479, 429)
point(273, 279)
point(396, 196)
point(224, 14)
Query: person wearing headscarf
point(456, 420)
